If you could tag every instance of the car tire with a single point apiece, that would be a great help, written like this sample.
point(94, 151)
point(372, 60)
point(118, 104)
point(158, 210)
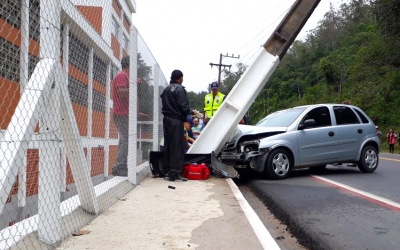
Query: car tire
point(278, 165)
point(369, 160)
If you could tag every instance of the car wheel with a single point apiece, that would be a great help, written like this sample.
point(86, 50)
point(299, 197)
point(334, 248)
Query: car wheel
point(369, 160)
point(278, 165)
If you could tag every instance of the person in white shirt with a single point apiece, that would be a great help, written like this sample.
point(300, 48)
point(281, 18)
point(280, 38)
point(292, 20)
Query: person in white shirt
point(196, 128)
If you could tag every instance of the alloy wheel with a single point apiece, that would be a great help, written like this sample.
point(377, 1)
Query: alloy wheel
point(371, 159)
point(280, 164)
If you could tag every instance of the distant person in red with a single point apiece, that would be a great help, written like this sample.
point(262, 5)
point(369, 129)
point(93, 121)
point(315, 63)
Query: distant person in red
point(120, 88)
point(391, 140)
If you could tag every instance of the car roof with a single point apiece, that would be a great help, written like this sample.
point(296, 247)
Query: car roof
point(315, 105)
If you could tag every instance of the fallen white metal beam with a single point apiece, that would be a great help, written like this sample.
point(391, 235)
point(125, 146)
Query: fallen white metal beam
point(232, 110)
point(243, 94)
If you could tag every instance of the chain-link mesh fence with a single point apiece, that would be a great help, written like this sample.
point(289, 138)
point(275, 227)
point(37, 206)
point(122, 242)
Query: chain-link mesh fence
point(66, 125)
point(152, 83)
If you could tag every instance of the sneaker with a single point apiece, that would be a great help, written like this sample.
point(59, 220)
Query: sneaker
point(176, 177)
point(160, 175)
point(163, 173)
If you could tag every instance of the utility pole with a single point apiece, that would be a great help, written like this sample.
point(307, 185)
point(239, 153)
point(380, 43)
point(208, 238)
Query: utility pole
point(222, 65)
point(340, 87)
point(341, 84)
point(296, 81)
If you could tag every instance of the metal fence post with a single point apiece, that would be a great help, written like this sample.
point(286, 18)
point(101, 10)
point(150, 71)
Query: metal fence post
point(90, 109)
point(133, 109)
point(24, 77)
point(65, 61)
point(49, 224)
point(108, 118)
point(156, 98)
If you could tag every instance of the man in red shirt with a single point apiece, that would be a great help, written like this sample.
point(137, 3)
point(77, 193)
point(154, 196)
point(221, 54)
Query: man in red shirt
point(120, 89)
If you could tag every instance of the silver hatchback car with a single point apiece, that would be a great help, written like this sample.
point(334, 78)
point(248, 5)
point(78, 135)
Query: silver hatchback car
point(305, 136)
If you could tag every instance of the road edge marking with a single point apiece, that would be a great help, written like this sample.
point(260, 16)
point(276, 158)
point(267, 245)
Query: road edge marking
point(260, 230)
point(388, 159)
point(368, 196)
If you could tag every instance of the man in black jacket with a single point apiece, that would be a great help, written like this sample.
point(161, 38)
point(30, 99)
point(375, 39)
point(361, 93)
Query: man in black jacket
point(175, 108)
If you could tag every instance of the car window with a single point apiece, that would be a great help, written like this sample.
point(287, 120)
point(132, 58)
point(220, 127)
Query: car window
point(321, 116)
point(362, 116)
point(345, 115)
point(281, 119)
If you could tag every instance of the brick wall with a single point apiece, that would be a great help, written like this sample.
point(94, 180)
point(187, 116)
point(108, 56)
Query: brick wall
point(115, 46)
point(93, 15)
point(127, 24)
point(117, 7)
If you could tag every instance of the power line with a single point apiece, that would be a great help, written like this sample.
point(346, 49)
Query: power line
point(265, 29)
point(220, 65)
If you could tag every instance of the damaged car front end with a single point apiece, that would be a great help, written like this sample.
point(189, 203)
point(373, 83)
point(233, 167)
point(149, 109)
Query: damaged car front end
point(243, 149)
point(249, 146)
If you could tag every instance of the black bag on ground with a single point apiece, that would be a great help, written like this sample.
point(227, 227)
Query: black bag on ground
point(156, 163)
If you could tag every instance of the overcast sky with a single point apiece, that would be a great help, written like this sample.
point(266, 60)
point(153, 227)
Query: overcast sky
point(190, 34)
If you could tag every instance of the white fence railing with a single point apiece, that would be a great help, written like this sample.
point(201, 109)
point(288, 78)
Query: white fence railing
point(75, 149)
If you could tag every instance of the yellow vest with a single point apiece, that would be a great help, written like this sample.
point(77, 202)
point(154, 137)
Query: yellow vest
point(211, 103)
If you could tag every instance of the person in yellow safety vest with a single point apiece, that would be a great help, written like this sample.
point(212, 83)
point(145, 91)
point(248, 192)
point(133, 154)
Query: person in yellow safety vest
point(213, 101)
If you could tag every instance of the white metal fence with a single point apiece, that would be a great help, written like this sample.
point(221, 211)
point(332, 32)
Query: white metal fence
point(58, 138)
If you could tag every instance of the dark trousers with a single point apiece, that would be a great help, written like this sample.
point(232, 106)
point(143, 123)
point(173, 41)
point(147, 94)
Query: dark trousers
point(173, 145)
point(391, 148)
point(122, 124)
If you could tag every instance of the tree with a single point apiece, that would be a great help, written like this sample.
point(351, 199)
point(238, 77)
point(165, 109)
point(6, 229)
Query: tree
point(231, 78)
point(355, 46)
point(348, 48)
point(144, 72)
point(145, 89)
point(387, 14)
point(196, 100)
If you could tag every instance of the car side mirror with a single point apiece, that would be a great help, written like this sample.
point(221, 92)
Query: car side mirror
point(310, 123)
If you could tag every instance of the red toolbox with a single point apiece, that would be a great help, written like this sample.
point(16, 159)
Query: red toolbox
point(194, 171)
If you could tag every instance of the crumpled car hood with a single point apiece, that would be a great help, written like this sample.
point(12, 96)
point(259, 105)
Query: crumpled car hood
point(253, 132)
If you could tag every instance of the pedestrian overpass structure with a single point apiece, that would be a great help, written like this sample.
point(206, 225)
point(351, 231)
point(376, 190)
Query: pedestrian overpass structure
point(44, 99)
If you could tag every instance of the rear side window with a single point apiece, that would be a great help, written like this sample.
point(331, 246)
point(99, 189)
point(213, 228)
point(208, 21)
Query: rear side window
point(362, 116)
point(345, 115)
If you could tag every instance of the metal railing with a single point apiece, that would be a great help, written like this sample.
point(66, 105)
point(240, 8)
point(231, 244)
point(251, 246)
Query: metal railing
point(58, 139)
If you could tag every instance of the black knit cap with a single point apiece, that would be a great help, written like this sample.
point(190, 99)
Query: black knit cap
point(176, 74)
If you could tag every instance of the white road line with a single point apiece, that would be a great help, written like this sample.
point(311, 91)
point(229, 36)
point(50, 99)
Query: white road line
point(262, 233)
point(366, 194)
point(388, 159)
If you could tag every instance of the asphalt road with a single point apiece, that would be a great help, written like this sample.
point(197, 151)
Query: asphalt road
point(340, 208)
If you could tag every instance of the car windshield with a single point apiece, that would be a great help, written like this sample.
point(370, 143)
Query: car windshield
point(281, 119)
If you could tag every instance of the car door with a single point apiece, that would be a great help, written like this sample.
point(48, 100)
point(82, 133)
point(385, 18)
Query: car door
point(319, 143)
point(350, 131)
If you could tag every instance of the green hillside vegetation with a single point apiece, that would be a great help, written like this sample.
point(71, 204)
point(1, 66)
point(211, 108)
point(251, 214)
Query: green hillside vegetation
point(353, 53)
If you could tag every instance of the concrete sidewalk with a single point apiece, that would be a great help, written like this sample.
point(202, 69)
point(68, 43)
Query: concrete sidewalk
point(194, 215)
